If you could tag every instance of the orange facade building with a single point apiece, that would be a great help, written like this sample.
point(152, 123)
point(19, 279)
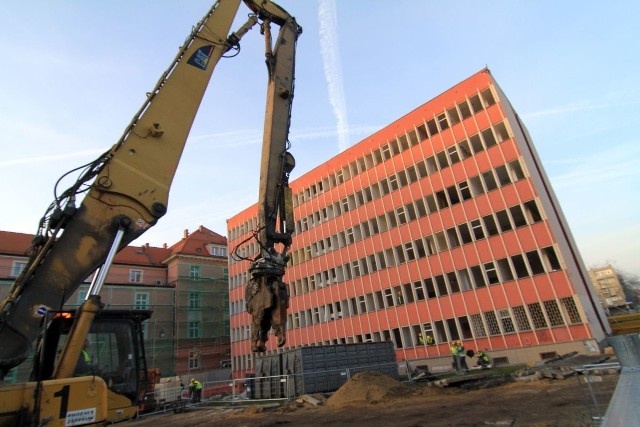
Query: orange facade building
point(442, 225)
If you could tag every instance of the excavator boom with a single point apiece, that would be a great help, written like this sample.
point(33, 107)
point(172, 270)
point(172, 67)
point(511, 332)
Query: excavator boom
point(266, 294)
point(126, 191)
point(130, 186)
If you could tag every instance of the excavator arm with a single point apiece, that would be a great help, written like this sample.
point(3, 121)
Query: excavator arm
point(266, 294)
point(126, 189)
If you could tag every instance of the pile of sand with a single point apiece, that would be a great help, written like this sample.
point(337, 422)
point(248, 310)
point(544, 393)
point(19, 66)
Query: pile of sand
point(368, 388)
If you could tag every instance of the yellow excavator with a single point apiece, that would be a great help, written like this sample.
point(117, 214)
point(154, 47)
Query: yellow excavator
point(89, 364)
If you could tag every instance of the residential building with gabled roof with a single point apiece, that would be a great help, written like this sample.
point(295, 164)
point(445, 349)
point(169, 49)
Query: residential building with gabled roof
point(185, 285)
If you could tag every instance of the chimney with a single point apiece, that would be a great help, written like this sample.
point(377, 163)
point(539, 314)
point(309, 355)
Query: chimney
point(164, 245)
point(186, 233)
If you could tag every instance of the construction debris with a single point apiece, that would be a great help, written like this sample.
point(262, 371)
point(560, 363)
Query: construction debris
point(565, 366)
point(309, 399)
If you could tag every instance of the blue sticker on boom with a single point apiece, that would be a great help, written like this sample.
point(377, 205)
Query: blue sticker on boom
point(200, 57)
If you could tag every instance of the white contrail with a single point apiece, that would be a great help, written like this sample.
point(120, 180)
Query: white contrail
point(332, 69)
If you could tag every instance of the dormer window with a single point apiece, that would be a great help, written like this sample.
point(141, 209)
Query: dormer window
point(218, 250)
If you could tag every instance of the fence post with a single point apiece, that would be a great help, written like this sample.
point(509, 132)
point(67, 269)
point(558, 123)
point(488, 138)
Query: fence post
point(624, 407)
point(408, 368)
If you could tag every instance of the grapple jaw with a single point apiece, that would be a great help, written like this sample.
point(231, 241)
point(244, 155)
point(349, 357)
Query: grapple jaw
point(267, 303)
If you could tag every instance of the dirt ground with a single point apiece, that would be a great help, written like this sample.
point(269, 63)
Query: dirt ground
point(376, 400)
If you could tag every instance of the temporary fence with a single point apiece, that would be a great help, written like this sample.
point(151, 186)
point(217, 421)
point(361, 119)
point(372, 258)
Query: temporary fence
point(597, 387)
point(624, 409)
point(175, 395)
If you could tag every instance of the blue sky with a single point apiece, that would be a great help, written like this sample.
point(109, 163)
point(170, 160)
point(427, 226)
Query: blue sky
point(75, 72)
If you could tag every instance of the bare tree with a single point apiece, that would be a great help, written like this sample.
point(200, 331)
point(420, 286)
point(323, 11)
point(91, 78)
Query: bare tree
point(630, 285)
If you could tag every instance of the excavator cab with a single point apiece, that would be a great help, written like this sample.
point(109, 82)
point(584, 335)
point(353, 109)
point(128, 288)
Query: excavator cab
point(111, 364)
point(113, 350)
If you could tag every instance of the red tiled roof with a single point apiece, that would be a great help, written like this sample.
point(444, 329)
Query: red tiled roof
point(17, 243)
point(142, 255)
point(14, 243)
point(196, 242)
point(192, 244)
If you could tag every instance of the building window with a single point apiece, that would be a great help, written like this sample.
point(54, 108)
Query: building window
point(465, 111)
point(476, 104)
point(17, 268)
point(388, 296)
point(504, 221)
point(409, 298)
point(440, 332)
point(551, 259)
point(506, 321)
point(431, 290)
point(441, 285)
point(400, 256)
point(194, 300)
point(355, 268)
point(478, 326)
point(453, 154)
point(492, 275)
point(194, 329)
point(194, 359)
point(453, 329)
point(489, 180)
point(454, 285)
point(135, 276)
point(421, 251)
point(465, 192)
point(442, 121)
point(419, 290)
point(518, 216)
point(476, 143)
point(465, 280)
point(442, 160)
point(476, 226)
point(454, 117)
point(505, 269)
point(217, 250)
point(410, 253)
point(539, 322)
point(535, 262)
point(402, 218)
point(465, 234)
point(521, 318)
point(194, 272)
point(492, 322)
point(571, 310)
point(464, 149)
point(553, 313)
point(141, 301)
point(465, 327)
point(516, 170)
point(362, 303)
point(520, 266)
point(428, 329)
point(386, 154)
point(487, 97)
point(478, 277)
